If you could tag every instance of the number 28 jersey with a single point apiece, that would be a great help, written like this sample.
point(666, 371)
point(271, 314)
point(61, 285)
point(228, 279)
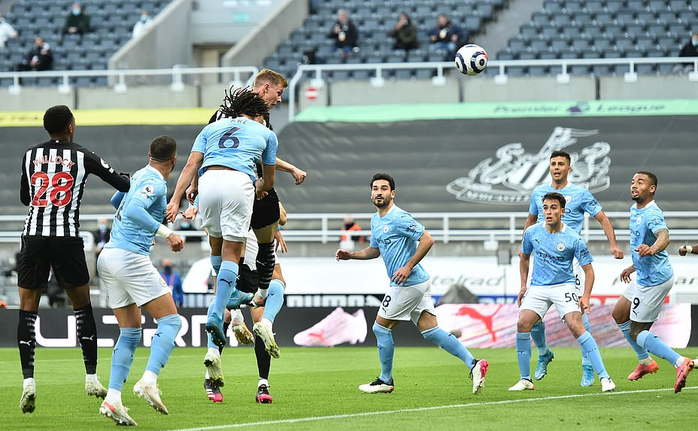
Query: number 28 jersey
point(52, 184)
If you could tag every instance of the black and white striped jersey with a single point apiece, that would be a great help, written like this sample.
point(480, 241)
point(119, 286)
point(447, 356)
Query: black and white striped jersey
point(53, 182)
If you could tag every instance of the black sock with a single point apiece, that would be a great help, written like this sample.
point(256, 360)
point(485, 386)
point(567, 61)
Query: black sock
point(87, 334)
point(26, 341)
point(265, 264)
point(226, 325)
point(263, 358)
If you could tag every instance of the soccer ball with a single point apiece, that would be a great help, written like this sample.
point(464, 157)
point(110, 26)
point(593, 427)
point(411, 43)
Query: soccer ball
point(471, 59)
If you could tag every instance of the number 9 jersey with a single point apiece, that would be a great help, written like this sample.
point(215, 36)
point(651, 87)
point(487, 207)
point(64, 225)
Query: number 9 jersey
point(52, 185)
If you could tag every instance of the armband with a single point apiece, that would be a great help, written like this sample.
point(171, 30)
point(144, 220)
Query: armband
point(164, 231)
point(689, 249)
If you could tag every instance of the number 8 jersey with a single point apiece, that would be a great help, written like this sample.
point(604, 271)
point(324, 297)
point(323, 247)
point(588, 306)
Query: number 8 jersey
point(52, 184)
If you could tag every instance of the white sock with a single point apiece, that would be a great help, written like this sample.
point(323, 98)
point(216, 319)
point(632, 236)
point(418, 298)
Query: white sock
point(646, 361)
point(113, 396)
point(678, 362)
point(267, 323)
point(150, 378)
point(262, 382)
point(214, 351)
point(27, 382)
point(207, 375)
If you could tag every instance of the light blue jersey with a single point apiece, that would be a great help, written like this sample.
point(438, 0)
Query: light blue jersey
point(644, 223)
point(236, 143)
point(140, 212)
point(396, 235)
point(554, 254)
point(579, 200)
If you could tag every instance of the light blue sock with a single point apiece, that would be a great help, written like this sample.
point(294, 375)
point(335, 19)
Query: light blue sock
point(449, 343)
point(591, 349)
point(656, 346)
point(386, 350)
point(163, 342)
point(209, 337)
point(523, 353)
point(538, 336)
point(227, 280)
point(122, 357)
point(585, 321)
point(625, 329)
point(216, 262)
point(275, 300)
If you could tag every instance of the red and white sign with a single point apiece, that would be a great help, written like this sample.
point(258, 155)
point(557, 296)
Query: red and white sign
point(311, 93)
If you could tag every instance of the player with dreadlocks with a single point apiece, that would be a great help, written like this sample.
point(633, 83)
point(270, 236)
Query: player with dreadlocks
point(224, 154)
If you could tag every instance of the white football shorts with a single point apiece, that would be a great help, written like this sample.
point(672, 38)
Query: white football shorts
point(407, 302)
point(646, 301)
point(225, 203)
point(564, 296)
point(129, 278)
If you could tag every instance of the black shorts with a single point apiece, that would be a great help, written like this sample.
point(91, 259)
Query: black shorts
point(248, 280)
point(266, 211)
point(39, 253)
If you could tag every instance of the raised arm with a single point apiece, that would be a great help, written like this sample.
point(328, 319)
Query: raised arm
point(185, 178)
point(297, 174)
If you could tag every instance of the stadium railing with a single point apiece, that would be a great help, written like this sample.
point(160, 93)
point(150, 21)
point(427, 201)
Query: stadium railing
point(237, 75)
point(322, 228)
point(315, 71)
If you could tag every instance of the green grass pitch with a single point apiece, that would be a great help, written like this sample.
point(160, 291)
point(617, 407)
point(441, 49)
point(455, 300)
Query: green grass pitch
point(316, 389)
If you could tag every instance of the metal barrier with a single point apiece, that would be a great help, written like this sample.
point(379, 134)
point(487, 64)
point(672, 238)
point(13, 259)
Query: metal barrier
point(176, 73)
point(316, 227)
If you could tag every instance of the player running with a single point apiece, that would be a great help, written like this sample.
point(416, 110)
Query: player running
point(403, 242)
point(639, 307)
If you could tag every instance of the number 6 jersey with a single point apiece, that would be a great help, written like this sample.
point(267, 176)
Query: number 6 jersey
point(52, 184)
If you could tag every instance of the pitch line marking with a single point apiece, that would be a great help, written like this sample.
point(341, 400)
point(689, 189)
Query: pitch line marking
point(422, 409)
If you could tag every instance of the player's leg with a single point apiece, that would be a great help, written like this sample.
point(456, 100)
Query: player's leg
point(32, 274)
point(272, 305)
point(573, 319)
point(621, 314)
point(129, 320)
point(264, 222)
point(587, 367)
point(397, 305)
point(87, 334)
point(225, 287)
point(163, 309)
point(70, 269)
point(263, 361)
point(429, 327)
point(646, 306)
point(526, 320)
point(545, 355)
point(26, 343)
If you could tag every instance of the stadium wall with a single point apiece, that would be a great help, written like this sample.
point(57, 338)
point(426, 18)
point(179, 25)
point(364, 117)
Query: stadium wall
point(475, 326)
point(354, 93)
